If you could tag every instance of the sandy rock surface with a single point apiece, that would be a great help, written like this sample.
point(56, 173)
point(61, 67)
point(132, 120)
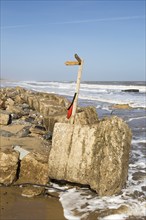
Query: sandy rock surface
point(9, 160)
point(95, 155)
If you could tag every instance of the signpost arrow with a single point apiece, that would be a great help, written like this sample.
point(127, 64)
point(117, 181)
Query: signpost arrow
point(80, 63)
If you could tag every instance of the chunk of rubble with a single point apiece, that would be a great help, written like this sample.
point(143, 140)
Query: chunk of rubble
point(95, 155)
point(84, 116)
point(34, 170)
point(9, 161)
point(121, 106)
point(5, 117)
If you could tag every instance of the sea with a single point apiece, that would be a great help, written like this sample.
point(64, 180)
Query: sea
point(80, 202)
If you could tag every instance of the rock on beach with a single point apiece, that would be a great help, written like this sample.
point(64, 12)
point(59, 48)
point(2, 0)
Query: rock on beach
point(9, 160)
point(34, 170)
point(5, 117)
point(96, 155)
point(121, 106)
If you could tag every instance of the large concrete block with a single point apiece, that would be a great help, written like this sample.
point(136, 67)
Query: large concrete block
point(5, 117)
point(9, 160)
point(57, 99)
point(96, 155)
point(84, 116)
point(34, 170)
point(50, 121)
point(72, 151)
point(47, 108)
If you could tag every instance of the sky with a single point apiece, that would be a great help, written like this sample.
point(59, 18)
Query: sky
point(38, 37)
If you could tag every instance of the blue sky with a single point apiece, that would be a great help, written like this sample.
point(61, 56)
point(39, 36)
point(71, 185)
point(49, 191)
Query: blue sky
point(37, 37)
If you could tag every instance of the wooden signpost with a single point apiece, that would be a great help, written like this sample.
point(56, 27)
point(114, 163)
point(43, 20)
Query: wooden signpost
point(80, 63)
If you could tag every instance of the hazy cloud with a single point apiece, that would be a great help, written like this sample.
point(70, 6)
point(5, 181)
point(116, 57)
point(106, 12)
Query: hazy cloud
point(101, 19)
point(77, 21)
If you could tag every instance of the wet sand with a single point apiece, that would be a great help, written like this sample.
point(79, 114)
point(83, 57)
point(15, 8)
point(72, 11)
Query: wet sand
point(14, 206)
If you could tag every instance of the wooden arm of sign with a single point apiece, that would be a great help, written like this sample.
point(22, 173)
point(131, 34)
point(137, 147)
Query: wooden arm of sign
point(71, 63)
point(78, 59)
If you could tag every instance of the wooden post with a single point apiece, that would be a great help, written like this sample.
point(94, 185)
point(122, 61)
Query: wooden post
point(80, 63)
point(77, 91)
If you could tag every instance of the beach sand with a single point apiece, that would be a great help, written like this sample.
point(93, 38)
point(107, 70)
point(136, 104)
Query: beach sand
point(15, 206)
